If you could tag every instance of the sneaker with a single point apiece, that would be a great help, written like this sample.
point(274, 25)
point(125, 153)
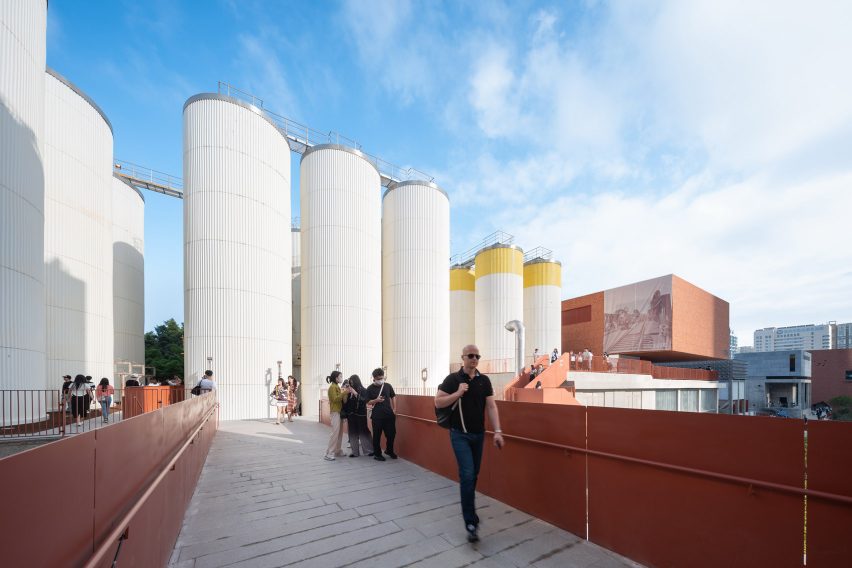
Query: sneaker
point(328, 458)
point(371, 454)
point(352, 456)
point(391, 455)
point(377, 457)
point(471, 533)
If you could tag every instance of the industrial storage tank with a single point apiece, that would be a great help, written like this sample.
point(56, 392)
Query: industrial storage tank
point(296, 295)
point(499, 298)
point(462, 330)
point(78, 240)
point(128, 274)
point(236, 251)
point(23, 36)
point(542, 306)
point(341, 267)
point(415, 291)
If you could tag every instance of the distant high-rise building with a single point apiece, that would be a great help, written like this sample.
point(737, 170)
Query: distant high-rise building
point(796, 337)
point(745, 349)
point(844, 336)
point(734, 349)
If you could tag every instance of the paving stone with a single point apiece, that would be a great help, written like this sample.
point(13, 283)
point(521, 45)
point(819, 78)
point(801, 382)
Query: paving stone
point(406, 555)
point(453, 558)
point(267, 498)
point(336, 550)
point(276, 544)
point(256, 534)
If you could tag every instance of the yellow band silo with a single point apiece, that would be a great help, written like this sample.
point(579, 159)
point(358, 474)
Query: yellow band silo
point(462, 331)
point(499, 298)
point(542, 306)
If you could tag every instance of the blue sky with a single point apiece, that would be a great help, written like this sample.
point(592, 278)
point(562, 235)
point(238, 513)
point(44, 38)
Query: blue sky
point(707, 139)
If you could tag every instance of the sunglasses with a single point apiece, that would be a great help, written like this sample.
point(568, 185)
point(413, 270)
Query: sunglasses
point(473, 356)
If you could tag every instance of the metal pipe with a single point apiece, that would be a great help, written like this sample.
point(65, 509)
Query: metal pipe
point(518, 327)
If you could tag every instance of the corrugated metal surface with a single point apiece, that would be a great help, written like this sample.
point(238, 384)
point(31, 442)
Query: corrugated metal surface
point(499, 299)
point(78, 240)
point(415, 283)
point(341, 268)
point(462, 313)
point(296, 236)
point(128, 275)
point(237, 252)
point(542, 308)
point(22, 61)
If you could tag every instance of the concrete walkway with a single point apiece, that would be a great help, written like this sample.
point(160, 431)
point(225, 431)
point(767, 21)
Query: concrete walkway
point(267, 498)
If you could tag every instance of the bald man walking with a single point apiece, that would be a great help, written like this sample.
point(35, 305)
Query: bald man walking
point(475, 394)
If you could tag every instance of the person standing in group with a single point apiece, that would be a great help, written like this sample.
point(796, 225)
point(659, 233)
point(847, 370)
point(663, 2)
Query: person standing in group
point(356, 418)
point(104, 392)
point(380, 397)
point(475, 394)
point(535, 356)
point(207, 384)
point(67, 381)
point(587, 359)
point(279, 397)
point(132, 381)
point(79, 393)
point(336, 398)
point(554, 356)
point(292, 387)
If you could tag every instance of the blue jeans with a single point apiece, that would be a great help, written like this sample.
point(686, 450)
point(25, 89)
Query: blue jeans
point(468, 450)
point(105, 404)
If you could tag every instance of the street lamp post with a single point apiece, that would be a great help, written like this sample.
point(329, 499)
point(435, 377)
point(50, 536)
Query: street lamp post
point(424, 376)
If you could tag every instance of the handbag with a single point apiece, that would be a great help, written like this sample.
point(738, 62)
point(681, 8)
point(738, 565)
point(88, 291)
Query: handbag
point(444, 415)
point(196, 390)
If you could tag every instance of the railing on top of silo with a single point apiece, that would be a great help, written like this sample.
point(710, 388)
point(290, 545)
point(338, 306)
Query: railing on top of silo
point(538, 253)
point(467, 257)
point(300, 137)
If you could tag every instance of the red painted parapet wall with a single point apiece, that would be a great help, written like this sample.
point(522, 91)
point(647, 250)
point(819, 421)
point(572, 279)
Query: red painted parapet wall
point(63, 501)
point(664, 488)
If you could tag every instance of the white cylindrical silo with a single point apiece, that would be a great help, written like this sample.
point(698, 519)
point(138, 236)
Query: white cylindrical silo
point(462, 330)
point(499, 298)
point(22, 62)
point(78, 241)
point(341, 267)
point(128, 274)
point(236, 251)
point(542, 306)
point(296, 295)
point(415, 287)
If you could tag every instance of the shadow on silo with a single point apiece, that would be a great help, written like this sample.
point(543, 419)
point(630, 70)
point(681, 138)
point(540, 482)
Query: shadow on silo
point(128, 281)
point(65, 304)
point(18, 339)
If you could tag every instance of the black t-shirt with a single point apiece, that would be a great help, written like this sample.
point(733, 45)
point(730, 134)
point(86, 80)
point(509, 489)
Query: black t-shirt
point(473, 401)
point(357, 405)
point(382, 409)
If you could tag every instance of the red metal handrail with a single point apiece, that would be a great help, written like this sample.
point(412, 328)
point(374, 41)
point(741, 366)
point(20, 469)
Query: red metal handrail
point(122, 526)
point(669, 467)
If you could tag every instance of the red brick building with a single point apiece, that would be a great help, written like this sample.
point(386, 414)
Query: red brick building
point(831, 374)
point(663, 319)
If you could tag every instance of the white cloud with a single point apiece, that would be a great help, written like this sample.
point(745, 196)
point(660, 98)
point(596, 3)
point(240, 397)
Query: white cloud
point(710, 140)
point(400, 47)
point(263, 74)
point(771, 251)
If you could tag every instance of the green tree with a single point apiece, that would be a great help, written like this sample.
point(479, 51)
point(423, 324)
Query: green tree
point(164, 349)
point(841, 408)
